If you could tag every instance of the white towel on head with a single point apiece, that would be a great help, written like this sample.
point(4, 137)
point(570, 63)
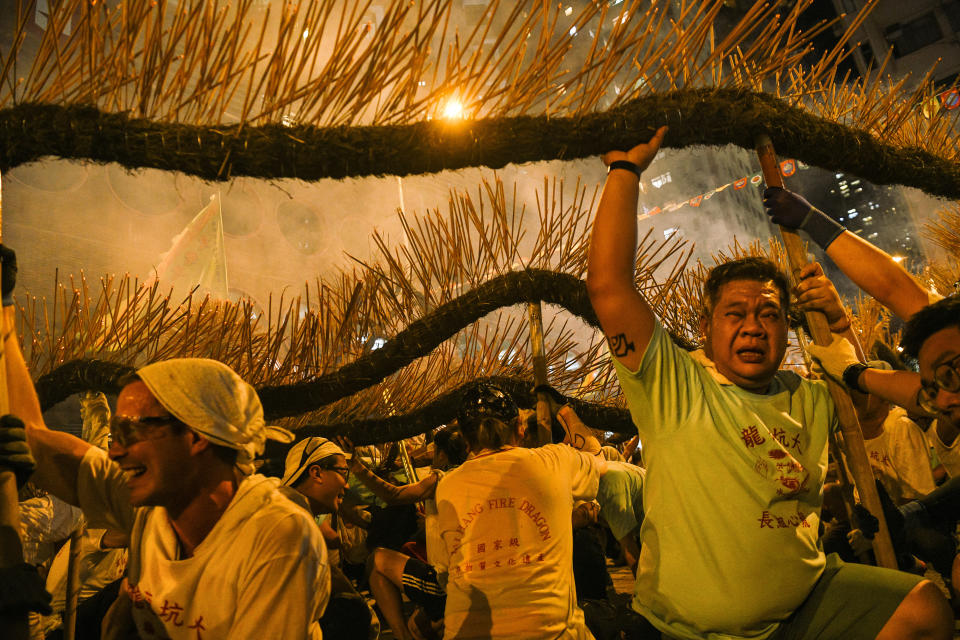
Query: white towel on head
point(305, 453)
point(211, 399)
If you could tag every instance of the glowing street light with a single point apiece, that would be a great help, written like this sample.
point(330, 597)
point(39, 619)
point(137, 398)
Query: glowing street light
point(453, 110)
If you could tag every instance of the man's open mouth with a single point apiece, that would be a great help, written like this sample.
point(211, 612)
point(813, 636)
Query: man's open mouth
point(134, 472)
point(751, 354)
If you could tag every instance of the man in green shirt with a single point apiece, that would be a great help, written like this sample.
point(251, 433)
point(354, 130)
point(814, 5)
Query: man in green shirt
point(736, 452)
point(621, 506)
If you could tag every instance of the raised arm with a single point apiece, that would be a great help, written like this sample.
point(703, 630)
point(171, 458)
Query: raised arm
point(626, 318)
point(57, 454)
point(879, 275)
point(391, 493)
point(576, 433)
point(871, 269)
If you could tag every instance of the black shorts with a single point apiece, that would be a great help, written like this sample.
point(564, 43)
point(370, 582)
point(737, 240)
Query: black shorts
point(421, 586)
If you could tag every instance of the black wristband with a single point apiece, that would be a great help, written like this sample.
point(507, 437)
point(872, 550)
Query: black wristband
point(821, 228)
point(624, 164)
point(851, 376)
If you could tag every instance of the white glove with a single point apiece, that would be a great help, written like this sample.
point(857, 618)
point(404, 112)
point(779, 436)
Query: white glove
point(835, 357)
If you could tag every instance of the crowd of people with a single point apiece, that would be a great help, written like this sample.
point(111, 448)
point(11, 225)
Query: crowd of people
point(727, 507)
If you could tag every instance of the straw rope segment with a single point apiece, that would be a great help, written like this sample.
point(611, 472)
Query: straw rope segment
point(696, 116)
point(311, 91)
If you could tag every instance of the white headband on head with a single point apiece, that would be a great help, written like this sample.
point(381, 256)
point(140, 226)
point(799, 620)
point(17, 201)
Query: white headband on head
point(305, 453)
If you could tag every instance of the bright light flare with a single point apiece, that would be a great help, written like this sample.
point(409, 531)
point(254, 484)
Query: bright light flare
point(453, 110)
point(898, 259)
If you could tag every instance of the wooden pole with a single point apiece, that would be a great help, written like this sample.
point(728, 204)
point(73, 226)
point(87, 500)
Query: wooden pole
point(820, 332)
point(73, 584)
point(408, 469)
point(846, 488)
point(544, 432)
point(836, 451)
point(407, 463)
point(14, 625)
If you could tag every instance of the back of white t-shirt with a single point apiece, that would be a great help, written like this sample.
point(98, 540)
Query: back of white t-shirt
point(507, 543)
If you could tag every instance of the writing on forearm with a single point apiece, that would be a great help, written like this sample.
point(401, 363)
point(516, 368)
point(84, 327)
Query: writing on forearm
point(619, 345)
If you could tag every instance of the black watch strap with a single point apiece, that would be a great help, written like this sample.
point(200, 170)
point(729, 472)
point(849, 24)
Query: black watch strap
point(624, 164)
point(851, 376)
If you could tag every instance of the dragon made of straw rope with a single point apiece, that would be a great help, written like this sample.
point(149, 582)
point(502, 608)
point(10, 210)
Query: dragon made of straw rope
point(417, 340)
point(697, 117)
point(443, 409)
point(328, 92)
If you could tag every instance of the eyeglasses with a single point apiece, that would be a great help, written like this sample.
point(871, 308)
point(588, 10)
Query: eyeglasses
point(128, 430)
point(343, 471)
point(946, 377)
point(308, 451)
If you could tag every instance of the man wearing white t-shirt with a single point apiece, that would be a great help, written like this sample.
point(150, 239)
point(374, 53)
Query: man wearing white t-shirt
point(896, 447)
point(214, 551)
point(943, 434)
point(735, 452)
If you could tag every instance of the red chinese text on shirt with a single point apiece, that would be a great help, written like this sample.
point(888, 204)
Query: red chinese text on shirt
point(768, 520)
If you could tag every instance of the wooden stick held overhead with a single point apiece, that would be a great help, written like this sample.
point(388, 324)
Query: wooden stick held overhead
point(820, 332)
point(544, 433)
point(73, 584)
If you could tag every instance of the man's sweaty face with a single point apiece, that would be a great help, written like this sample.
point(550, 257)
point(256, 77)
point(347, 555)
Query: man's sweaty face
point(940, 348)
point(746, 333)
point(157, 468)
